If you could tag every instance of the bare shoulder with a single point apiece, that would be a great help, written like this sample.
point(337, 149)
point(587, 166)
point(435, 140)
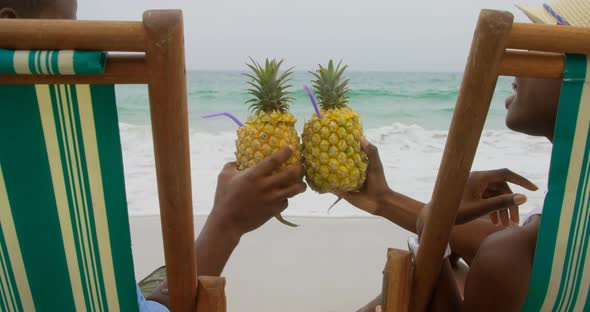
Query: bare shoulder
point(500, 272)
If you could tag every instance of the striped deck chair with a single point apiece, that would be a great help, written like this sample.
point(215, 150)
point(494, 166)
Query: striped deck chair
point(64, 230)
point(64, 239)
point(561, 271)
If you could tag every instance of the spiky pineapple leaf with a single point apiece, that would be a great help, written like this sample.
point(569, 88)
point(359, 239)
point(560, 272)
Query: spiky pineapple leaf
point(330, 85)
point(269, 92)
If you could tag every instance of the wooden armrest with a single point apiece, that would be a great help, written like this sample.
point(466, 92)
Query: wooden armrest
point(211, 294)
point(397, 281)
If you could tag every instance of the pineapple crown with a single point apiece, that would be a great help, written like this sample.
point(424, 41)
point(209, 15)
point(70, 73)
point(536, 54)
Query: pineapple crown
point(331, 86)
point(268, 87)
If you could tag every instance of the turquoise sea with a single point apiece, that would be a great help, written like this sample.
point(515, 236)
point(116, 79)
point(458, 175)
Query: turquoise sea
point(382, 98)
point(405, 114)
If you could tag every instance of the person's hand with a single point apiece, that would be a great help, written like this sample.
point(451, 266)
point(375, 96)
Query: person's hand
point(488, 192)
point(373, 305)
point(371, 197)
point(245, 200)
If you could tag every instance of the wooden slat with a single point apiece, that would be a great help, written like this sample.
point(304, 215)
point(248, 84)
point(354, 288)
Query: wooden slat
point(397, 279)
point(479, 81)
point(532, 64)
point(120, 69)
point(550, 38)
point(21, 34)
point(169, 114)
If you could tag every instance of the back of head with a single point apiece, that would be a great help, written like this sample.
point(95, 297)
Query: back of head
point(34, 9)
point(21, 8)
point(532, 109)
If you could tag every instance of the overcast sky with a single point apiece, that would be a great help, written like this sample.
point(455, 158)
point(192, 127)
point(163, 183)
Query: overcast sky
point(419, 35)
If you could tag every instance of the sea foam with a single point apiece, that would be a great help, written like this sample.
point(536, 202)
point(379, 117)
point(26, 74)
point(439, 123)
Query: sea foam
point(410, 154)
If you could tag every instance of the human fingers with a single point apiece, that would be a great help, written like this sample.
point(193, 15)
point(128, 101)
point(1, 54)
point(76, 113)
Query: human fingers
point(229, 168)
point(350, 197)
point(288, 176)
point(279, 206)
point(512, 211)
point(517, 179)
point(514, 215)
point(273, 162)
point(495, 203)
point(494, 217)
point(292, 190)
point(504, 219)
point(375, 164)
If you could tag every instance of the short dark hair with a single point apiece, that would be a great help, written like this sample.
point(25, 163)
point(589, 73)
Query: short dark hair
point(25, 8)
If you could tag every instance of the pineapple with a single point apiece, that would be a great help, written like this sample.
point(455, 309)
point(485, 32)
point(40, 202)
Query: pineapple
point(332, 153)
point(272, 126)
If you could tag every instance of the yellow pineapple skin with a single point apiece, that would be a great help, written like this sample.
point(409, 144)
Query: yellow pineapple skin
point(263, 135)
point(332, 155)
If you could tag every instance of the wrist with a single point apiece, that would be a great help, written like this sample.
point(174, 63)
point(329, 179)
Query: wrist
point(222, 229)
point(214, 246)
point(402, 210)
point(385, 200)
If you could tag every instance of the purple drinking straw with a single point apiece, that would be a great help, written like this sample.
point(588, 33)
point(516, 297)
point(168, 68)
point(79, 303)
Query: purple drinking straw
point(313, 101)
point(234, 118)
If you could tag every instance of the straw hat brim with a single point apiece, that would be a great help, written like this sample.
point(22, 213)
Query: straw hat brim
point(576, 12)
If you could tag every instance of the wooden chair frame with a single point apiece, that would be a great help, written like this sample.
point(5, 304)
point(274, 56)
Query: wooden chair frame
point(499, 47)
point(159, 62)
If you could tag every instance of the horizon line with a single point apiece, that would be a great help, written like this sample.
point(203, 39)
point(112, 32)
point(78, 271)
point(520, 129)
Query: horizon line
point(349, 70)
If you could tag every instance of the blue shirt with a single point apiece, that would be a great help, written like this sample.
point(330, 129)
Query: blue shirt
point(148, 306)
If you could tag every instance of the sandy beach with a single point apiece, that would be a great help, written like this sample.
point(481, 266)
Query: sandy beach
point(327, 264)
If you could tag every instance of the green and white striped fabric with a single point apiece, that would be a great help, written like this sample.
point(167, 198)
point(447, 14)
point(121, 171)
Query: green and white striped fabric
point(64, 62)
point(561, 270)
point(64, 231)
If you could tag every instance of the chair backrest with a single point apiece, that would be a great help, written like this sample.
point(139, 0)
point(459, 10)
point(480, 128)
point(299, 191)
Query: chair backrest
point(158, 59)
point(64, 236)
point(499, 47)
point(561, 271)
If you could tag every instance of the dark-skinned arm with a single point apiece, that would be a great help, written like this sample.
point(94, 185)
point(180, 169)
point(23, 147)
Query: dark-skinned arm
point(500, 273)
point(244, 201)
point(486, 193)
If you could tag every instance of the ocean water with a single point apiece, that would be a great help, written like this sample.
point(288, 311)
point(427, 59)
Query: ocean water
point(405, 114)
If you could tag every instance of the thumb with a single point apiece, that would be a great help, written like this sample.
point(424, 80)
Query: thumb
point(345, 195)
point(275, 161)
point(230, 166)
point(229, 170)
point(375, 165)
